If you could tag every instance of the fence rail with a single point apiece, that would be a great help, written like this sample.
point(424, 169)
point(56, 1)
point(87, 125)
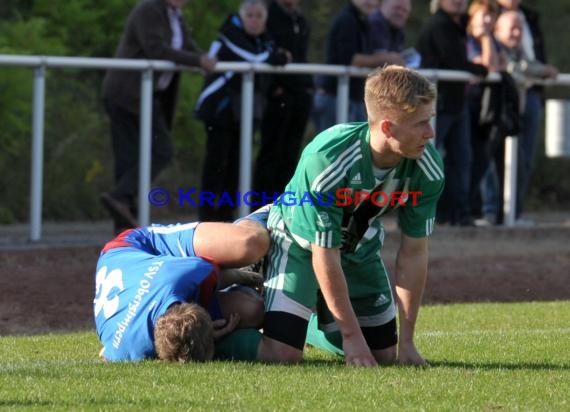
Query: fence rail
point(41, 63)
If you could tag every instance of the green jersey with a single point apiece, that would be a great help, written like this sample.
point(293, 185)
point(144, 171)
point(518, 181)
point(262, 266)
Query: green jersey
point(335, 199)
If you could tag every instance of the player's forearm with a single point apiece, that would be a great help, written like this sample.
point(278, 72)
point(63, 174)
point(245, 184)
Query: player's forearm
point(332, 283)
point(411, 274)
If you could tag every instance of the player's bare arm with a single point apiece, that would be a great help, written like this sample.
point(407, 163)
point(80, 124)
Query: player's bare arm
point(330, 276)
point(411, 274)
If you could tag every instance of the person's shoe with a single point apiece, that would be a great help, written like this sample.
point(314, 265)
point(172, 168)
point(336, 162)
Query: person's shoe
point(486, 221)
point(120, 212)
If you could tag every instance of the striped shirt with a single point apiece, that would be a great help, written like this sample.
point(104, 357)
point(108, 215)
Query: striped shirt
point(334, 170)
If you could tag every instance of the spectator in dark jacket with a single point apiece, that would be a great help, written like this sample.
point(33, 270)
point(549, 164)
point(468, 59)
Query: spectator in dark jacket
point(386, 25)
point(241, 38)
point(289, 101)
point(442, 45)
point(154, 30)
point(348, 44)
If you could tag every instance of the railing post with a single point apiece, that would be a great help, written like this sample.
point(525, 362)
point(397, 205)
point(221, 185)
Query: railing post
point(145, 162)
point(510, 185)
point(342, 98)
point(246, 138)
point(433, 120)
point(37, 158)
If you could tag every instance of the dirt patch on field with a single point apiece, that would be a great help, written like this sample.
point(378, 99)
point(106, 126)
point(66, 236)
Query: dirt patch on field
point(50, 288)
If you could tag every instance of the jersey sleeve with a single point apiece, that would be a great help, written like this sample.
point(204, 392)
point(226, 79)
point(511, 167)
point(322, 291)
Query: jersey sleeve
point(417, 218)
point(171, 240)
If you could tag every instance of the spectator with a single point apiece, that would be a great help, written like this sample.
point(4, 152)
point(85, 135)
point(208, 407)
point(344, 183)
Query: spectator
point(348, 44)
point(241, 38)
point(442, 45)
point(387, 28)
point(529, 47)
point(154, 30)
point(508, 31)
point(482, 48)
point(289, 101)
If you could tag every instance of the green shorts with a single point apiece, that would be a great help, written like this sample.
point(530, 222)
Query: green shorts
point(291, 286)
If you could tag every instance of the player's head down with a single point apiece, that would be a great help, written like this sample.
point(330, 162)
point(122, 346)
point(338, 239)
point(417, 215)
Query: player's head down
point(395, 91)
point(185, 333)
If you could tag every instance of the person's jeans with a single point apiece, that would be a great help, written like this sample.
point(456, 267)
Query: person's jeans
point(453, 140)
point(527, 142)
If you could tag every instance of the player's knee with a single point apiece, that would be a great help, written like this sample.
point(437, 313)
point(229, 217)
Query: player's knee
point(278, 352)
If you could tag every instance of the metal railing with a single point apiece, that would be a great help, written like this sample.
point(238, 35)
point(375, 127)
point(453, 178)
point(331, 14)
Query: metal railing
point(41, 63)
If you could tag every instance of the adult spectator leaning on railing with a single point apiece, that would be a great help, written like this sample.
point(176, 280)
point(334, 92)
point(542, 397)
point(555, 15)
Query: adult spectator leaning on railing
point(348, 44)
point(241, 38)
point(386, 32)
point(528, 38)
point(494, 112)
point(442, 45)
point(156, 30)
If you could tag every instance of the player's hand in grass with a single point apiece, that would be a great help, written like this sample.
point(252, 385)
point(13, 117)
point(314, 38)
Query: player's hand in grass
point(223, 327)
point(409, 355)
point(357, 352)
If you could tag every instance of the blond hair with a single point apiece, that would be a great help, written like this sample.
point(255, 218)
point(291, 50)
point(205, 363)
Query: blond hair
point(490, 7)
point(394, 91)
point(185, 333)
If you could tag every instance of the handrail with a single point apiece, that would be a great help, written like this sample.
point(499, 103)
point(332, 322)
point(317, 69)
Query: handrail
point(146, 67)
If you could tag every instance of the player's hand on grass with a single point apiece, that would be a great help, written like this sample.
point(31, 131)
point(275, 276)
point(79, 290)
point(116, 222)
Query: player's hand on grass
point(357, 352)
point(409, 355)
point(223, 327)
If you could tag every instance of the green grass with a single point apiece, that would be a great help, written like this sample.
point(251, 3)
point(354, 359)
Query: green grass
point(483, 356)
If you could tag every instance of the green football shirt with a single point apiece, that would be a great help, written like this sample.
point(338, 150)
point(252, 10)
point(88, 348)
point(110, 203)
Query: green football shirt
point(334, 199)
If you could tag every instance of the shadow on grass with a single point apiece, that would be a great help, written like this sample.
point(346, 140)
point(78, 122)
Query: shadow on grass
point(500, 365)
point(339, 363)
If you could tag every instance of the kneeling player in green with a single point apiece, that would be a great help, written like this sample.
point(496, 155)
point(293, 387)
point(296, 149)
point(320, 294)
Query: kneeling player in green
point(327, 231)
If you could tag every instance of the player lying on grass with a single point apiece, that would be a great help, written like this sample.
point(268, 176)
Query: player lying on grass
point(160, 291)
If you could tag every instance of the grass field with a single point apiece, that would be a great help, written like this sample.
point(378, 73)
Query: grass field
point(483, 357)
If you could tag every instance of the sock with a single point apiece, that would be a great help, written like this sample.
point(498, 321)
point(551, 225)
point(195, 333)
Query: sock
point(318, 339)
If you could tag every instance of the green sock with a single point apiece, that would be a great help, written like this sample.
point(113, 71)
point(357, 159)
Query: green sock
point(241, 344)
point(317, 338)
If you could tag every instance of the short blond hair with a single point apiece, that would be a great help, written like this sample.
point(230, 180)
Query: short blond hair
point(185, 333)
point(394, 91)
